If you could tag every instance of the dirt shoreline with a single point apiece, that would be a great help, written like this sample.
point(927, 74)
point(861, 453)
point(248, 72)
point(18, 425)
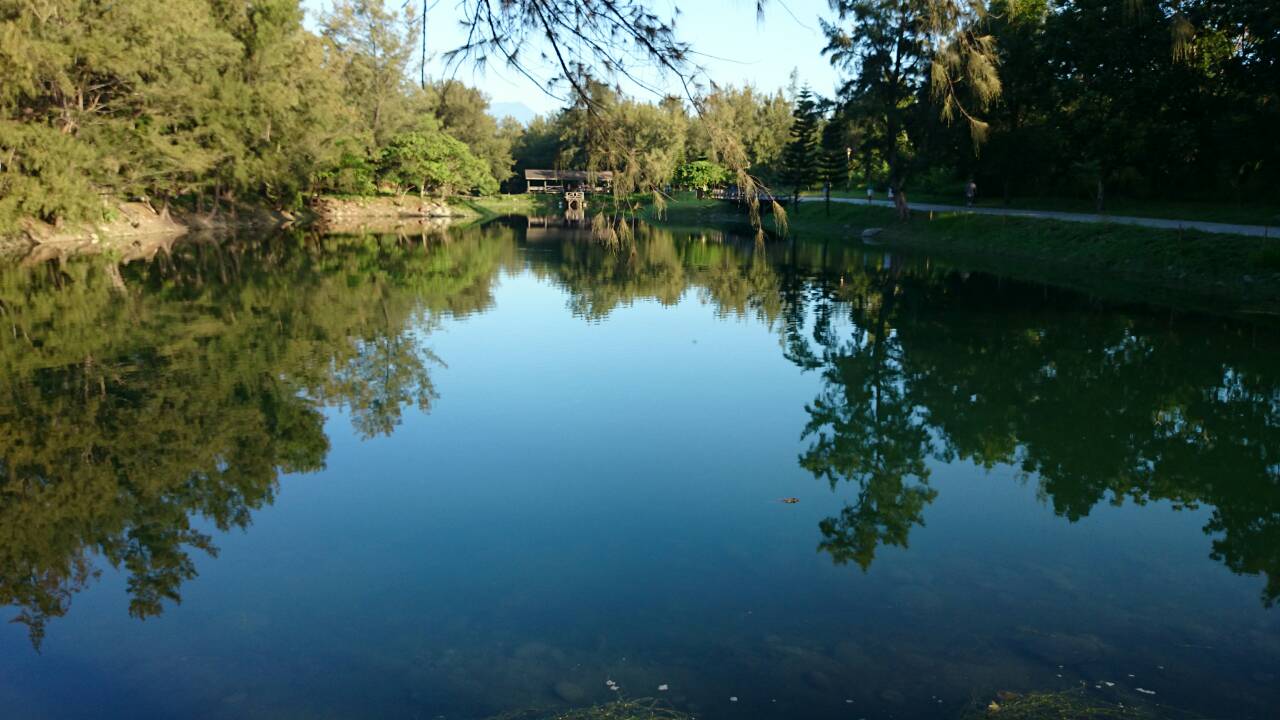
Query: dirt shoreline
point(138, 230)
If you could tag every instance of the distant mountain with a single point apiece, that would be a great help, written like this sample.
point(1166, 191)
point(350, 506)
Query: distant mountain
point(517, 110)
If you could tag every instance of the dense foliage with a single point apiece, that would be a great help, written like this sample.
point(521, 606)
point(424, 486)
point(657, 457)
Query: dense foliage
point(1149, 99)
point(214, 102)
point(432, 161)
point(1176, 99)
point(701, 175)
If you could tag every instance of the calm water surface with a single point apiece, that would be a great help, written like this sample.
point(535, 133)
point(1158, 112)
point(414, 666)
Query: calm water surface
point(464, 474)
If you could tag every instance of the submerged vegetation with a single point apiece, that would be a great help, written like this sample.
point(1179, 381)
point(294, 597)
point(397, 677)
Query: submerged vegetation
point(1065, 705)
point(642, 709)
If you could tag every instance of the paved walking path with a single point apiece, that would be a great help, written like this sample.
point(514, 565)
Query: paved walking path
point(1209, 227)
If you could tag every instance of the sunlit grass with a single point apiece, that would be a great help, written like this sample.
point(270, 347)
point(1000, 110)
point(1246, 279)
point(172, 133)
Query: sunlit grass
point(1211, 271)
point(1223, 212)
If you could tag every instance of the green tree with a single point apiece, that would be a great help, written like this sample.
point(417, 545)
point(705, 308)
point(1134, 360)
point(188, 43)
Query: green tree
point(641, 143)
point(760, 121)
point(701, 174)
point(800, 157)
point(463, 113)
point(883, 48)
point(434, 162)
point(373, 46)
point(130, 87)
point(834, 152)
point(538, 146)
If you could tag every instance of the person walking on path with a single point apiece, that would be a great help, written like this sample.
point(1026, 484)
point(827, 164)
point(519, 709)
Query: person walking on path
point(870, 194)
point(970, 193)
point(900, 202)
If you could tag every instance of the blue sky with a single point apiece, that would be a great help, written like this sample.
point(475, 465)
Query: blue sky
point(735, 48)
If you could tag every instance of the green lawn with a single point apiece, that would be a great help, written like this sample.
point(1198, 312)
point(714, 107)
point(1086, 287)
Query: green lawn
point(496, 205)
point(1209, 271)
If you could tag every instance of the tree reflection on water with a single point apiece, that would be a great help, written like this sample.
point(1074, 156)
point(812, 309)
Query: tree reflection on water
point(1093, 406)
point(146, 401)
point(133, 414)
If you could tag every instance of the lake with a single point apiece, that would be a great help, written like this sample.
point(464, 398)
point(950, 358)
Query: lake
point(502, 470)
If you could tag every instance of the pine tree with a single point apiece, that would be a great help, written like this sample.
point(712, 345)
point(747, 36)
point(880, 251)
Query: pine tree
point(833, 161)
point(800, 157)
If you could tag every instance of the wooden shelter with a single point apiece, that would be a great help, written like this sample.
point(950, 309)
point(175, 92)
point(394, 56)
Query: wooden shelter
point(561, 181)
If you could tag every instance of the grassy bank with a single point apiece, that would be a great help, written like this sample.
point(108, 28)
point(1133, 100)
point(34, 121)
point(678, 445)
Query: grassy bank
point(1219, 272)
point(499, 205)
point(1223, 212)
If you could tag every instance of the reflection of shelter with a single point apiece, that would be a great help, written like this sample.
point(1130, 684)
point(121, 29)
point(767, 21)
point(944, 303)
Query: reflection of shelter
point(575, 206)
point(554, 228)
point(559, 181)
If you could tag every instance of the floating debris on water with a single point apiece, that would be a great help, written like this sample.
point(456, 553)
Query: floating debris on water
point(789, 500)
point(663, 687)
point(733, 698)
point(1145, 691)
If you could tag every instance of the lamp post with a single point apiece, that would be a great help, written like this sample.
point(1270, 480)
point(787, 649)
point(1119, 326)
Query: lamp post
point(848, 167)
